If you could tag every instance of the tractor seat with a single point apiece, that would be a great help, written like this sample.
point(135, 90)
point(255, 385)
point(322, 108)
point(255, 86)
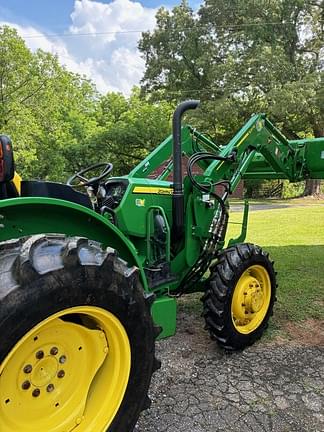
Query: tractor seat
point(34, 188)
point(7, 169)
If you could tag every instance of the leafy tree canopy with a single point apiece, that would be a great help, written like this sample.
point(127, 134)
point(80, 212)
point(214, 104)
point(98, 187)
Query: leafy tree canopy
point(241, 57)
point(44, 108)
point(59, 123)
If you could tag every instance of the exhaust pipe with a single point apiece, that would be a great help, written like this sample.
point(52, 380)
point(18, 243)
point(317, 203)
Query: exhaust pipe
point(178, 198)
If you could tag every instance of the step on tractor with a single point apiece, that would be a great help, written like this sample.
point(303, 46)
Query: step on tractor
point(91, 270)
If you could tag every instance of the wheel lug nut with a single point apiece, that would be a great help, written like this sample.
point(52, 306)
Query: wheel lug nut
point(28, 369)
point(25, 385)
point(61, 374)
point(54, 351)
point(36, 393)
point(50, 388)
point(40, 355)
point(62, 359)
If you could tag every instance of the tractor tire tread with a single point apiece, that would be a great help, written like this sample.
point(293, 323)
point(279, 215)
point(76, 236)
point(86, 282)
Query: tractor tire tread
point(49, 258)
point(219, 290)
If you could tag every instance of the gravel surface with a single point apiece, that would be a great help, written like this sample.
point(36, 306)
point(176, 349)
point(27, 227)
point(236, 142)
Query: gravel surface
point(268, 387)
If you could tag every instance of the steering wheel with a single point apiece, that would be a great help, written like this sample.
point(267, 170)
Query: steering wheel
point(79, 179)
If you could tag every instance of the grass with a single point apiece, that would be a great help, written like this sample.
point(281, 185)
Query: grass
point(295, 239)
point(297, 201)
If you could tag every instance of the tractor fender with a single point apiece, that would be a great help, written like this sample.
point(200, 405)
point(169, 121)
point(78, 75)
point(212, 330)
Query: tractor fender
point(20, 217)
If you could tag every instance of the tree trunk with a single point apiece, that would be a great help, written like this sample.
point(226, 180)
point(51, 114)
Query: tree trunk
point(313, 187)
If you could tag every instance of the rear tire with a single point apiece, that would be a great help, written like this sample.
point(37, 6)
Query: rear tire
point(239, 296)
point(52, 286)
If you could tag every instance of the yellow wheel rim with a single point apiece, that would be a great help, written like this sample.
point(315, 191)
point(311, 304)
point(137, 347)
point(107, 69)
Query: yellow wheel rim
point(70, 372)
point(251, 299)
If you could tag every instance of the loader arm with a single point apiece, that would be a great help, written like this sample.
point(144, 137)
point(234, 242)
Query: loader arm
point(263, 152)
point(260, 151)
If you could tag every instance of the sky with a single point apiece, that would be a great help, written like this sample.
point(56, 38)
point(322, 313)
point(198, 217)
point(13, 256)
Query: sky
point(88, 36)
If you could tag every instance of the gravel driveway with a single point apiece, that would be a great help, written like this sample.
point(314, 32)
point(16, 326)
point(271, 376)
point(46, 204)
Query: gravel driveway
point(268, 387)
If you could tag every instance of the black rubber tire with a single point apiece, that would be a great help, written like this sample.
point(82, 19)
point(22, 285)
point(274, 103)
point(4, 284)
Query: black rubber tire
point(42, 275)
point(217, 300)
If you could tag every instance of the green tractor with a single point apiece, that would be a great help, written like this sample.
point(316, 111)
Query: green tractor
point(90, 272)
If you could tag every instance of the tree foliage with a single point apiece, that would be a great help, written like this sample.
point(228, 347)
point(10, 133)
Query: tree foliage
point(59, 123)
point(44, 108)
point(127, 129)
point(240, 57)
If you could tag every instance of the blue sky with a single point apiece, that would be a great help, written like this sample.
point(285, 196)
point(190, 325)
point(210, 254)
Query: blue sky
point(54, 15)
point(48, 14)
point(111, 60)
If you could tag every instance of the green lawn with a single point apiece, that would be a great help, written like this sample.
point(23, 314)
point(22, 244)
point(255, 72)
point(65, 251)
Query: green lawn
point(298, 201)
point(295, 239)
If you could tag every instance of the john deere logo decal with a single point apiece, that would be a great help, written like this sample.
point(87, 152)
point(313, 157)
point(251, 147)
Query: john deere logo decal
point(140, 202)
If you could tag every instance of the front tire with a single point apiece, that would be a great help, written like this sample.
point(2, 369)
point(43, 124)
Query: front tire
point(77, 338)
point(239, 296)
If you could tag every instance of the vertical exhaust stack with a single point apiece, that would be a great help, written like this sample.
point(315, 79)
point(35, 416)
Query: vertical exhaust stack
point(178, 198)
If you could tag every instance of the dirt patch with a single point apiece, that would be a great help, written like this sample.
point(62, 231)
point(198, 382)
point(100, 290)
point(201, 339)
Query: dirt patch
point(305, 333)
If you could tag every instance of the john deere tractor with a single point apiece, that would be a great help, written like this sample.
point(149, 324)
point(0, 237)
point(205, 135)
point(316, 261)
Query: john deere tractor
point(91, 269)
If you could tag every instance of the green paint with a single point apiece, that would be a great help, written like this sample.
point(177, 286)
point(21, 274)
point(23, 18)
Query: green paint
point(164, 312)
point(27, 216)
point(242, 236)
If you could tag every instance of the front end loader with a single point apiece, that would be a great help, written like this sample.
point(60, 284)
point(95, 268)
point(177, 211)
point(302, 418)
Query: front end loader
point(91, 270)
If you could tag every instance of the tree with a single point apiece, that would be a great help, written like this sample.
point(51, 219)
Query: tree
point(48, 111)
point(285, 62)
point(175, 54)
point(130, 128)
point(251, 57)
point(58, 122)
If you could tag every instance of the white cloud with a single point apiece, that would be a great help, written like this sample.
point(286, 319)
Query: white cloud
point(96, 44)
point(35, 39)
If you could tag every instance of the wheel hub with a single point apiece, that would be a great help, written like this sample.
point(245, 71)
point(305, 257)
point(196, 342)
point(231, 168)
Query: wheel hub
point(43, 368)
point(46, 384)
point(251, 299)
point(44, 372)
